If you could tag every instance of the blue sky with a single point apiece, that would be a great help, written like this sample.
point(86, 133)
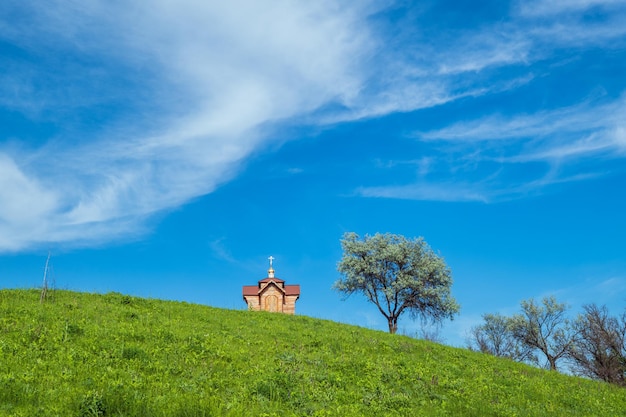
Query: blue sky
point(167, 149)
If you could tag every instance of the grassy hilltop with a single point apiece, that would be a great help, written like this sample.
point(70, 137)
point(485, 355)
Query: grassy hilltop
point(82, 354)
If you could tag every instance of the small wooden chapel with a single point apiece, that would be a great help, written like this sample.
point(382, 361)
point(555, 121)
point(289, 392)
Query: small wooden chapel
point(271, 294)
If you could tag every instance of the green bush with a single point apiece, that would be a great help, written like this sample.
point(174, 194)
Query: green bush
point(92, 405)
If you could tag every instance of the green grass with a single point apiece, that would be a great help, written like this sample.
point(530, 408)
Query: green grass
point(83, 354)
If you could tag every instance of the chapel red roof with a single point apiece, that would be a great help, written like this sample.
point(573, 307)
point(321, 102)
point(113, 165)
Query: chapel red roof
point(250, 290)
point(268, 279)
point(292, 290)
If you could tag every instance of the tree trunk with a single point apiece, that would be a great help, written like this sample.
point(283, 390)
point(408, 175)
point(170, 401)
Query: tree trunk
point(552, 362)
point(393, 324)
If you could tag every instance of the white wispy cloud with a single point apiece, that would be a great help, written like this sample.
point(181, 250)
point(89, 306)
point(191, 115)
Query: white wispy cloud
point(154, 104)
point(427, 191)
point(24, 202)
point(474, 159)
point(205, 81)
point(607, 291)
point(551, 7)
point(577, 131)
point(221, 251)
point(554, 139)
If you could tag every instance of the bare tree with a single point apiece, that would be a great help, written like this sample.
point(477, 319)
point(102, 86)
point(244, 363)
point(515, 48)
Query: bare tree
point(44, 285)
point(495, 337)
point(599, 348)
point(430, 331)
point(544, 328)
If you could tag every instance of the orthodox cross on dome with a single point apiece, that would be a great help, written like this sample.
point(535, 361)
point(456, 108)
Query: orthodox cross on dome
point(270, 272)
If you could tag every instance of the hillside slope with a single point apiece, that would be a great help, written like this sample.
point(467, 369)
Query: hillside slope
point(82, 354)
